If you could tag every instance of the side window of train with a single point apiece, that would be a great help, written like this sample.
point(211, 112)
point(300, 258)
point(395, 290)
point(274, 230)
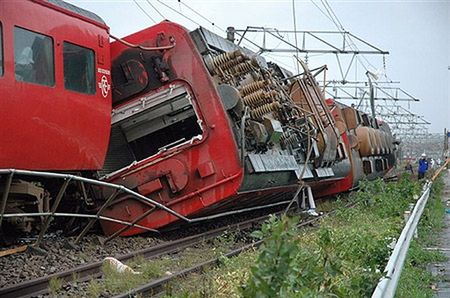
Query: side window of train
point(1, 49)
point(33, 57)
point(79, 68)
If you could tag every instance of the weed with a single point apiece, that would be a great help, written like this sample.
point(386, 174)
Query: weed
point(343, 258)
point(54, 286)
point(94, 289)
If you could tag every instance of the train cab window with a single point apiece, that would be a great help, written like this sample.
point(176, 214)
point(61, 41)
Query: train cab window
point(79, 69)
point(1, 50)
point(33, 57)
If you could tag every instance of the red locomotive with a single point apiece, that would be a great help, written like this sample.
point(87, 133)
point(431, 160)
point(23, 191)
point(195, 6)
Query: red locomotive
point(194, 123)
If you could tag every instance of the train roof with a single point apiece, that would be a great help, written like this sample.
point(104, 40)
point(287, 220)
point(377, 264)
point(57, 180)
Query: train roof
point(75, 10)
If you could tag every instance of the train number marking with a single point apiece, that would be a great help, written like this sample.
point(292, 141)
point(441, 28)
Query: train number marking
point(104, 86)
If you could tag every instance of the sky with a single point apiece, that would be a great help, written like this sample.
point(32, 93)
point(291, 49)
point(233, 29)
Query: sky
point(416, 34)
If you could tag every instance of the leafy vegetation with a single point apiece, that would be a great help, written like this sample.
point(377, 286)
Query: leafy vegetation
point(343, 258)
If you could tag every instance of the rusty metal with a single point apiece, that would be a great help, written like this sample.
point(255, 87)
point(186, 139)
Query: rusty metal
point(259, 98)
point(253, 87)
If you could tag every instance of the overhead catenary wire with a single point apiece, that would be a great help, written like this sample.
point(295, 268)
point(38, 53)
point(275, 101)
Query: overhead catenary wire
point(179, 13)
point(321, 10)
point(200, 15)
point(156, 9)
point(143, 10)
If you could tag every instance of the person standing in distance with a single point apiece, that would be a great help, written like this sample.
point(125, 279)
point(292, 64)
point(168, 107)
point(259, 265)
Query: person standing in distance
point(423, 166)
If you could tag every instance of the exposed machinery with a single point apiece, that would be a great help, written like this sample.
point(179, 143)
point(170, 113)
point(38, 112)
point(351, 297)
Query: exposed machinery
point(196, 125)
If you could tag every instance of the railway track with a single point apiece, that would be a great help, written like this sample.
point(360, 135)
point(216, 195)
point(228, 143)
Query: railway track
point(86, 272)
point(157, 286)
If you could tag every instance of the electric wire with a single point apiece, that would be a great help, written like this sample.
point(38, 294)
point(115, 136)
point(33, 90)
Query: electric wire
point(200, 15)
point(143, 10)
point(164, 18)
point(179, 13)
point(321, 10)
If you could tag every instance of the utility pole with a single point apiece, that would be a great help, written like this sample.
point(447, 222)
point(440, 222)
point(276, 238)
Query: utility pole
point(446, 135)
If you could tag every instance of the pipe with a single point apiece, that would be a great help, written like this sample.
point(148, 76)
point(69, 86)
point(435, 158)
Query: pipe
point(93, 216)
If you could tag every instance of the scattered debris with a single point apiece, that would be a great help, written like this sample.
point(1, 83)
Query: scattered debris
point(119, 266)
point(13, 250)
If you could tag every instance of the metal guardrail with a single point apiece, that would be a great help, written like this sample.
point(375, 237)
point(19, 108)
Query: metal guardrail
point(388, 284)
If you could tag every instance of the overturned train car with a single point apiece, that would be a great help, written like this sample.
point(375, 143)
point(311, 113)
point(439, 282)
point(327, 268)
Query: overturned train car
point(187, 120)
point(208, 127)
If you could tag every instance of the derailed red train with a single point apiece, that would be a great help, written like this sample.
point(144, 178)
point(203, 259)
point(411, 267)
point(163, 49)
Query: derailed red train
point(186, 119)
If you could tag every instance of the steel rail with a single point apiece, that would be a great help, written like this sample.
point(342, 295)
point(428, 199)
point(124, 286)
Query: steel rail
point(156, 286)
point(83, 273)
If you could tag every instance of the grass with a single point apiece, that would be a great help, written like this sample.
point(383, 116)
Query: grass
point(55, 284)
point(114, 283)
point(344, 257)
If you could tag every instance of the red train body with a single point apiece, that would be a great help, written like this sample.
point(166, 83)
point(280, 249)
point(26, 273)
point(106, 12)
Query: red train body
point(193, 121)
point(50, 118)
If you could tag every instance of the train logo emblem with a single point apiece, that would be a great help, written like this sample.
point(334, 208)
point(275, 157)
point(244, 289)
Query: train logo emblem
point(104, 86)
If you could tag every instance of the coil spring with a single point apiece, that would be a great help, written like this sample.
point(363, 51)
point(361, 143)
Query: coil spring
point(252, 87)
point(259, 112)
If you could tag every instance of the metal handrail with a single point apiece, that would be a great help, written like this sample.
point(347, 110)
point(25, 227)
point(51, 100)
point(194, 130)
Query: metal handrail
point(94, 217)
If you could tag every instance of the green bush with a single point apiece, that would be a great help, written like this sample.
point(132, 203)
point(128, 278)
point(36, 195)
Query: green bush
point(342, 258)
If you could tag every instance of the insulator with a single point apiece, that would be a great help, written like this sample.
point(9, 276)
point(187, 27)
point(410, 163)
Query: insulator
point(252, 87)
point(224, 58)
point(259, 112)
point(255, 99)
point(261, 97)
point(232, 63)
point(242, 68)
point(219, 63)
